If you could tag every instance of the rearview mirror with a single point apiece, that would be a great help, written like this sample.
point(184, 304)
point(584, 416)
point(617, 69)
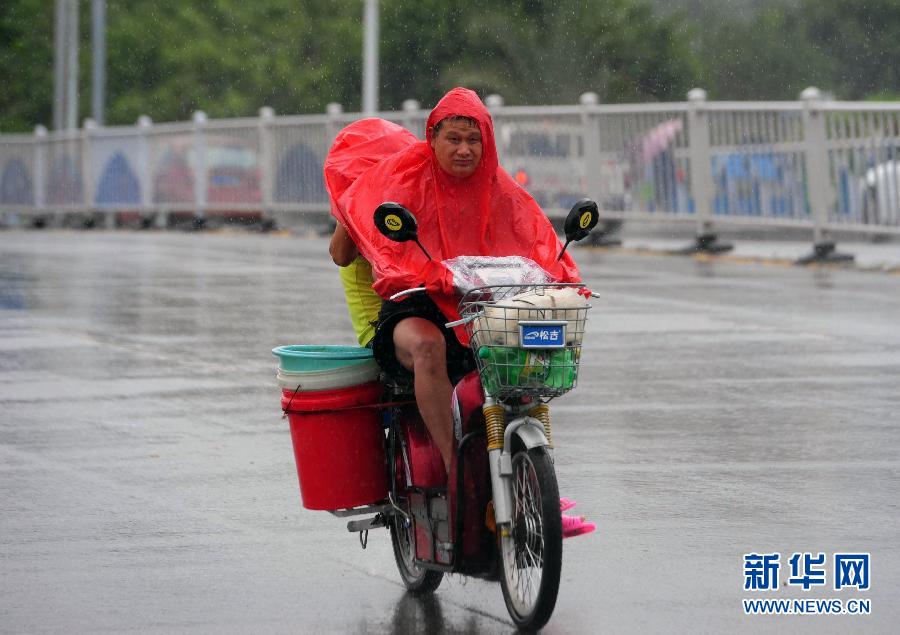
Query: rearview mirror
point(581, 220)
point(397, 223)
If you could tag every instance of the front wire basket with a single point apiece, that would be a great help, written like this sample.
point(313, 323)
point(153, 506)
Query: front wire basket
point(509, 371)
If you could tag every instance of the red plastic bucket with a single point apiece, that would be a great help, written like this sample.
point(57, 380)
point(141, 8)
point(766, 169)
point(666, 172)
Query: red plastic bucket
point(338, 446)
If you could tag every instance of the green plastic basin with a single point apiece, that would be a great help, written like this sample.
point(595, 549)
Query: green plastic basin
point(307, 358)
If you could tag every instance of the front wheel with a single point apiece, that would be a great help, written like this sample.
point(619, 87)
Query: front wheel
point(417, 579)
point(531, 546)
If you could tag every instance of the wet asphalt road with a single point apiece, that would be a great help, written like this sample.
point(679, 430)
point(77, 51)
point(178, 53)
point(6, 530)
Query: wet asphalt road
point(147, 480)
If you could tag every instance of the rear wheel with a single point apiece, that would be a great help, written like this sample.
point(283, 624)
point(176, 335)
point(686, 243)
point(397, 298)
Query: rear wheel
point(531, 546)
point(417, 579)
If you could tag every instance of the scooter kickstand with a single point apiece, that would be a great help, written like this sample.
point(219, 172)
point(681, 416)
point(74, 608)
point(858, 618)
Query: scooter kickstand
point(364, 538)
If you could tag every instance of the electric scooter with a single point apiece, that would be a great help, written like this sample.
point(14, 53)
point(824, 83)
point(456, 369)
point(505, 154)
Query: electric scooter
point(497, 516)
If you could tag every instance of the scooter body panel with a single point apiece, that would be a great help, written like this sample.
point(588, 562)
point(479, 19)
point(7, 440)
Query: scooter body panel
point(422, 481)
point(426, 467)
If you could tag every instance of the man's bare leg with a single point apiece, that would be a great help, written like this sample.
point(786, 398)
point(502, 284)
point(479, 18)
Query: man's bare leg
point(420, 347)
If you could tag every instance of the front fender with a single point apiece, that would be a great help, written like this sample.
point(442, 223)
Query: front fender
point(530, 432)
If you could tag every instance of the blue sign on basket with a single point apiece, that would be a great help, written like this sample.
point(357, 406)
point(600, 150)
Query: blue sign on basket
point(542, 334)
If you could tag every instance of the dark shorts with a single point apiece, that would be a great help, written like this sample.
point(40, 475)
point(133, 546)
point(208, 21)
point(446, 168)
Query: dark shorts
point(459, 358)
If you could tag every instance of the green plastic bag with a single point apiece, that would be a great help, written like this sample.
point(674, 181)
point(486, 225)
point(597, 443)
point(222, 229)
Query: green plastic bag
point(508, 367)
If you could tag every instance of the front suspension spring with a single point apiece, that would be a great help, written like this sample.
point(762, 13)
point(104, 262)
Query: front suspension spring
point(542, 414)
point(494, 424)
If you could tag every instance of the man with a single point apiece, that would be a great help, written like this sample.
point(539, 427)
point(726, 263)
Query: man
point(465, 205)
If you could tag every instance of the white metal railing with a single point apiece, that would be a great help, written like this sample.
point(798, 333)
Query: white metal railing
point(816, 164)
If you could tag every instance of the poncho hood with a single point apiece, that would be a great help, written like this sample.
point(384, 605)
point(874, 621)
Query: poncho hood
point(462, 102)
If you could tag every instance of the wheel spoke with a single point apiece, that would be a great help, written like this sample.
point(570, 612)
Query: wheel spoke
point(527, 587)
point(536, 560)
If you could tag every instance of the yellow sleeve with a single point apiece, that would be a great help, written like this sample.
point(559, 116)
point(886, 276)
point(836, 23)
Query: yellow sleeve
point(362, 302)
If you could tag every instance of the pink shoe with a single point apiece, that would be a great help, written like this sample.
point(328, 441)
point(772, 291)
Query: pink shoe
point(565, 504)
point(575, 526)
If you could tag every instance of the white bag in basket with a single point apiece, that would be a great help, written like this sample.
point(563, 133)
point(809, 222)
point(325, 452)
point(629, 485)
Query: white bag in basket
point(499, 326)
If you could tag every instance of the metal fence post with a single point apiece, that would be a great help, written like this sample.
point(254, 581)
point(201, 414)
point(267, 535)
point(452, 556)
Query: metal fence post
point(145, 174)
point(494, 103)
point(40, 170)
point(604, 234)
point(818, 186)
point(334, 110)
point(591, 132)
point(200, 176)
point(88, 128)
point(266, 163)
point(815, 154)
point(411, 109)
point(702, 187)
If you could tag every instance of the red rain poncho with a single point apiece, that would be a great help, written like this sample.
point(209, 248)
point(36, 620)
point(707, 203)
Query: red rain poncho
point(485, 214)
point(357, 148)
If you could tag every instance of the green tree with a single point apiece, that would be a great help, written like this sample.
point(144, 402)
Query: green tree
point(765, 57)
point(850, 49)
point(26, 65)
point(862, 41)
point(167, 58)
point(418, 40)
point(228, 58)
point(540, 51)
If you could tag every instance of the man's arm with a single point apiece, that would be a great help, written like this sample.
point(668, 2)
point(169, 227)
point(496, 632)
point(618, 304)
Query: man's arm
point(342, 248)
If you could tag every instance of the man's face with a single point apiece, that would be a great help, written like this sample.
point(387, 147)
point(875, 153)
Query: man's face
point(457, 147)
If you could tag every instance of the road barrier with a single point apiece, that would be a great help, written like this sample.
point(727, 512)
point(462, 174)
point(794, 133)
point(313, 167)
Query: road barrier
point(813, 164)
